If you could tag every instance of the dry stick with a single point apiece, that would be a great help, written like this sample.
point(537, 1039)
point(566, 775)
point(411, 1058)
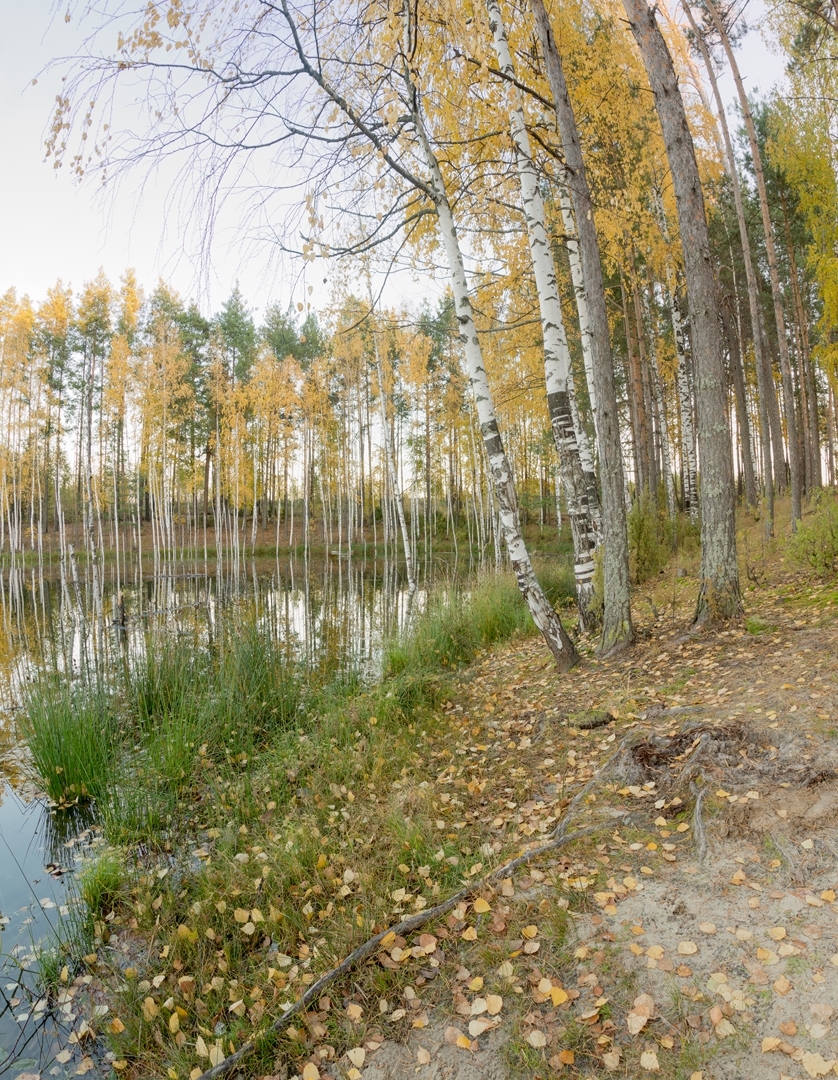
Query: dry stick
point(560, 837)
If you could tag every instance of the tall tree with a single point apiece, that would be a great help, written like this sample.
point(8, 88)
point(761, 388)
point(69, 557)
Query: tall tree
point(617, 631)
point(719, 594)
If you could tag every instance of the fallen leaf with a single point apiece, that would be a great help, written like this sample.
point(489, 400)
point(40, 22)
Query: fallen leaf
point(494, 1004)
point(707, 927)
point(464, 1042)
point(423, 1056)
point(771, 1042)
point(815, 1065)
point(611, 1060)
point(782, 985)
point(537, 1039)
point(477, 1027)
point(777, 933)
point(817, 1031)
point(481, 906)
point(311, 1072)
point(354, 1012)
point(649, 1060)
point(529, 931)
point(357, 1055)
point(724, 1028)
point(687, 948)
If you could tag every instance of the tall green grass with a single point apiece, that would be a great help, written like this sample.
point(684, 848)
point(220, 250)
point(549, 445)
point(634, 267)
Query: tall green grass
point(183, 725)
point(73, 739)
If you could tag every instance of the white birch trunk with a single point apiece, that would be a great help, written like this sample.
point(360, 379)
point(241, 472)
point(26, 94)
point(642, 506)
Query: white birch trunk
point(557, 369)
point(543, 614)
point(391, 464)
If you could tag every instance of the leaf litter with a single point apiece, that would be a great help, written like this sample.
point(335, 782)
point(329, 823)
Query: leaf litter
point(627, 952)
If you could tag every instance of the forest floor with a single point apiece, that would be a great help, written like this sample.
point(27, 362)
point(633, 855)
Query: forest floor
point(683, 945)
point(691, 933)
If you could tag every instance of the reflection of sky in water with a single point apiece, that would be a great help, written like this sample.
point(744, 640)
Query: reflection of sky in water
point(334, 616)
point(32, 904)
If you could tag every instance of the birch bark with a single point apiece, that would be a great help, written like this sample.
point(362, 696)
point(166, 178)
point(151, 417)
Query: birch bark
point(543, 614)
point(617, 631)
point(557, 372)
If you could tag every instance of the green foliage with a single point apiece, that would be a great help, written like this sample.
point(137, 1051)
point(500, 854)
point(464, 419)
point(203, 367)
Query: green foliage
point(650, 536)
point(815, 543)
point(72, 739)
point(101, 882)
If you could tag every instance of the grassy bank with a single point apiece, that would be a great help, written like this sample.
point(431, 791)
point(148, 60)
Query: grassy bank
point(258, 819)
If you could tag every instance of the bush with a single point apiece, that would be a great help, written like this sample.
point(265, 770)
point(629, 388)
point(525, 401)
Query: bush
point(815, 543)
point(650, 538)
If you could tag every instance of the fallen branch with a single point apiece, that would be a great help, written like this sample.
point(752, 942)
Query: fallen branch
point(559, 838)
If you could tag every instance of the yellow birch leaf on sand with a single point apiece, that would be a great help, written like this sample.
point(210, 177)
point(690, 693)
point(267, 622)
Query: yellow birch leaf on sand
point(649, 1061)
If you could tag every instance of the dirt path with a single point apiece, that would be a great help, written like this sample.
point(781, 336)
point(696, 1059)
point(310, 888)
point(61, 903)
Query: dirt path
point(673, 944)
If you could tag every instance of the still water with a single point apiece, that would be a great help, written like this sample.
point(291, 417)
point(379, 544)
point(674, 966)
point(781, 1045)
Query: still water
point(334, 614)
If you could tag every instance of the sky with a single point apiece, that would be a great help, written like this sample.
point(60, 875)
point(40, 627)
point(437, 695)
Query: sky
point(51, 228)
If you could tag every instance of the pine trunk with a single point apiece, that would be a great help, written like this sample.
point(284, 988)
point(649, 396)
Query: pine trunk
point(719, 596)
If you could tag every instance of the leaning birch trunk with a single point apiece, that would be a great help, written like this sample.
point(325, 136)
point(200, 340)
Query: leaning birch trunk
point(556, 351)
point(617, 631)
point(765, 386)
point(771, 252)
point(391, 466)
point(719, 596)
point(543, 614)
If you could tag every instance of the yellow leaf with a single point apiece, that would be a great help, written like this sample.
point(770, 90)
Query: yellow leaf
point(422, 1056)
point(464, 1042)
point(357, 1055)
point(116, 1026)
point(494, 1004)
point(149, 1009)
point(216, 1055)
point(687, 948)
point(174, 1024)
point(201, 1047)
point(469, 934)
point(529, 931)
point(311, 1072)
point(537, 1039)
point(558, 996)
point(649, 1060)
point(707, 927)
point(481, 906)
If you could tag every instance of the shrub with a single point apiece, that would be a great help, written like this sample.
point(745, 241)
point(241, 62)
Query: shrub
point(650, 538)
point(815, 543)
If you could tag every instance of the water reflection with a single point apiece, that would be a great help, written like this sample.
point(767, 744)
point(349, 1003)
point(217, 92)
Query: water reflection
point(334, 614)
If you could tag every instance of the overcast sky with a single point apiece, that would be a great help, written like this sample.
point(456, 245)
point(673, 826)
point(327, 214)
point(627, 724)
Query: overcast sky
point(51, 228)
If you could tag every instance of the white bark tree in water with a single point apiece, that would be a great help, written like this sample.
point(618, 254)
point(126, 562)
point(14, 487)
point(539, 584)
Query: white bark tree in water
point(719, 595)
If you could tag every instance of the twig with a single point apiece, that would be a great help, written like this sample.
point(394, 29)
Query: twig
point(559, 838)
